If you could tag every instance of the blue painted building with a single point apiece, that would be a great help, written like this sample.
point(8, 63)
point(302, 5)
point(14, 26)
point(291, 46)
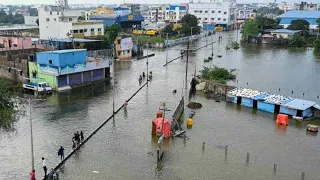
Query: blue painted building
point(70, 67)
point(126, 22)
point(272, 103)
point(310, 16)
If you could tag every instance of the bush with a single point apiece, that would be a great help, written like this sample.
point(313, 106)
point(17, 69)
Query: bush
point(218, 74)
point(297, 40)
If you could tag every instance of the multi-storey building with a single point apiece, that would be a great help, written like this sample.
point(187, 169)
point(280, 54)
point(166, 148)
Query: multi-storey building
point(174, 13)
point(220, 13)
point(304, 6)
point(60, 22)
point(55, 22)
point(155, 14)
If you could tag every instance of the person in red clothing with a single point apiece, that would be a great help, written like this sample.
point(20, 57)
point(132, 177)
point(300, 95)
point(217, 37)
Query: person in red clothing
point(33, 175)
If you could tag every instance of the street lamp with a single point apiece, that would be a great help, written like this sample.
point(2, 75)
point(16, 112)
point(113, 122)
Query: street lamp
point(31, 133)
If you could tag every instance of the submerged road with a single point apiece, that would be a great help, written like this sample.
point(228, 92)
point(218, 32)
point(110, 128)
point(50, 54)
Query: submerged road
point(125, 149)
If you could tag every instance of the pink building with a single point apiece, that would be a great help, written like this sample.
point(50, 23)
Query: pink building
point(15, 42)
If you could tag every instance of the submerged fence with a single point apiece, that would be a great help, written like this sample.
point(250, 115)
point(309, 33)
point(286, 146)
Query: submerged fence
point(96, 130)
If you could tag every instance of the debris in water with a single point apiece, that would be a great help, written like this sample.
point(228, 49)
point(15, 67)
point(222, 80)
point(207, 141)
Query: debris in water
point(194, 105)
point(95, 172)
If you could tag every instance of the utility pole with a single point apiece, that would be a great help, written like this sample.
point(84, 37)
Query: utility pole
point(147, 64)
point(31, 130)
point(31, 136)
point(167, 49)
point(187, 63)
point(113, 81)
point(211, 46)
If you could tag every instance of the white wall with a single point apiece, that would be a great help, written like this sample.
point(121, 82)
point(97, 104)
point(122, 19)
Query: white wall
point(56, 24)
point(89, 27)
point(30, 20)
point(217, 12)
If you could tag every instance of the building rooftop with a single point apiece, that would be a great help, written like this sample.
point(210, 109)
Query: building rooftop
point(285, 31)
point(69, 40)
point(300, 14)
point(62, 51)
point(17, 27)
point(299, 104)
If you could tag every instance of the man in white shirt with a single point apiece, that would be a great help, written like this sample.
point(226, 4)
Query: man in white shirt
point(44, 167)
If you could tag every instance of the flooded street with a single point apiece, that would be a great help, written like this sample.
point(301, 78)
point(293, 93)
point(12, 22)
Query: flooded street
point(125, 149)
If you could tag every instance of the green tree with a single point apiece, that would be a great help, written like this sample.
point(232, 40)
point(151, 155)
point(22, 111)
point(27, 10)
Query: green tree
point(299, 24)
point(189, 22)
point(81, 18)
point(249, 28)
point(111, 33)
point(266, 23)
point(297, 40)
point(33, 11)
point(168, 29)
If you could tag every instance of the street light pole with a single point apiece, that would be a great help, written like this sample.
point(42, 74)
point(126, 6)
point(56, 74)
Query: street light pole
point(31, 134)
point(31, 130)
point(167, 49)
point(147, 64)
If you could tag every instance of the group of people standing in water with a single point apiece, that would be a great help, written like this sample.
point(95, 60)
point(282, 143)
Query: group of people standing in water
point(143, 76)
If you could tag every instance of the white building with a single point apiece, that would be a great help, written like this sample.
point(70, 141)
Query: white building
point(30, 20)
point(59, 22)
point(219, 12)
point(174, 13)
point(155, 14)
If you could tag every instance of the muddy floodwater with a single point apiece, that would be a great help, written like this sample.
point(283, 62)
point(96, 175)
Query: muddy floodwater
point(125, 149)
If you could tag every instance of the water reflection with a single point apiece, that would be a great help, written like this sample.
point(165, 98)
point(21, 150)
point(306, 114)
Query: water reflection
point(280, 129)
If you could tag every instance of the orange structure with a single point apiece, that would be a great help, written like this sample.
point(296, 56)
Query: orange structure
point(157, 127)
point(159, 114)
point(282, 119)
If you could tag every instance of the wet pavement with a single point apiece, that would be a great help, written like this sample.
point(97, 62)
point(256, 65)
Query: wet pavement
point(125, 149)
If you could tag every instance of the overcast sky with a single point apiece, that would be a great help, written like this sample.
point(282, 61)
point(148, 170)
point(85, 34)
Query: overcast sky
point(129, 1)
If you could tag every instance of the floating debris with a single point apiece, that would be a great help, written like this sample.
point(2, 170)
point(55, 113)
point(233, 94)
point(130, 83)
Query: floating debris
point(95, 172)
point(194, 105)
point(312, 128)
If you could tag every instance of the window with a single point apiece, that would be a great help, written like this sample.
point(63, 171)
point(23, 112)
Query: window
point(119, 53)
point(212, 19)
point(50, 12)
point(225, 12)
point(195, 11)
point(128, 51)
point(212, 11)
point(219, 19)
point(205, 18)
point(200, 11)
point(50, 61)
point(92, 30)
point(199, 19)
point(57, 12)
point(70, 19)
point(81, 31)
point(85, 30)
point(47, 19)
point(55, 19)
point(205, 11)
point(224, 20)
point(75, 31)
point(99, 29)
point(219, 11)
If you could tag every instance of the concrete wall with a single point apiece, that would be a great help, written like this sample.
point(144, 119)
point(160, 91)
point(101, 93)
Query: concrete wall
point(30, 20)
point(218, 88)
point(62, 59)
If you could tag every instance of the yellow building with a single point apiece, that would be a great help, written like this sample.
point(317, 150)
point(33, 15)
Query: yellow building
point(98, 11)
